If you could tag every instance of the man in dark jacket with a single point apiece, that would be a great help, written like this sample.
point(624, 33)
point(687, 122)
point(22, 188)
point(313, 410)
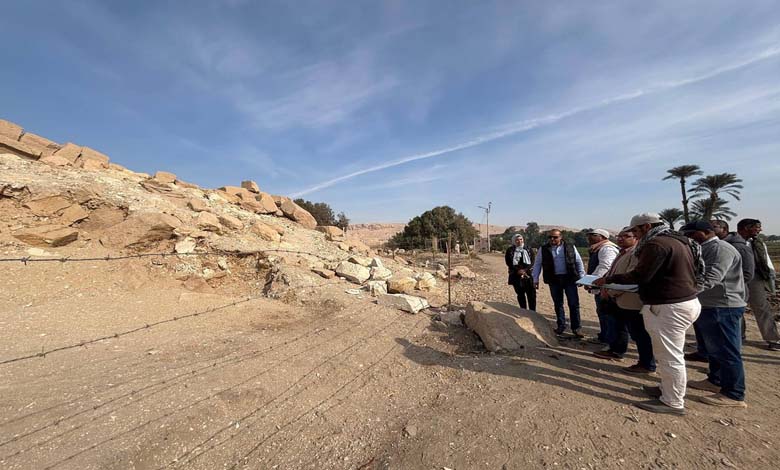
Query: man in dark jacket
point(519, 262)
point(667, 275)
point(561, 266)
point(745, 252)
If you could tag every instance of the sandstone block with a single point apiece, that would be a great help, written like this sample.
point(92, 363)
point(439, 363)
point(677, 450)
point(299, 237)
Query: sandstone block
point(360, 260)
point(73, 214)
point(185, 184)
point(267, 203)
point(403, 285)
point(377, 262)
point(54, 160)
point(353, 272)
point(69, 151)
point(10, 130)
point(298, 214)
point(165, 177)
point(198, 205)
point(407, 303)
point(326, 273)
point(38, 143)
point(18, 148)
point(462, 272)
point(235, 191)
point(103, 218)
point(92, 154)
point(185, 246)
point(89, 164)
point(140, 229)
point(47, 235)
point(233, 223)
point(251, 186)
point(506, 328)
point(208, 221)
point(48, 206)
point(265, 232)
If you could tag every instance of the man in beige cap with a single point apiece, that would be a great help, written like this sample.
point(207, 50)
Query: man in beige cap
point(667, 273)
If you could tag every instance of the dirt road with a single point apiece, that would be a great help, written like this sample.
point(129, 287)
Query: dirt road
point(328, 384)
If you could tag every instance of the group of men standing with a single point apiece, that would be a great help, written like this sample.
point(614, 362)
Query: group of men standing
point(703, 275)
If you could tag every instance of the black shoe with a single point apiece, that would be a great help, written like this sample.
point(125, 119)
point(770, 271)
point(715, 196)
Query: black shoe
point(657, 406)
point(638, 369)
point(578, 333)
point(695, 357)
point(559, 331)
point(652, 390)
point(612, 356)
point(773, 346)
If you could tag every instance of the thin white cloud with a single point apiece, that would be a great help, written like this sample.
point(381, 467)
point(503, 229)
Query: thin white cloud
point(530, 124)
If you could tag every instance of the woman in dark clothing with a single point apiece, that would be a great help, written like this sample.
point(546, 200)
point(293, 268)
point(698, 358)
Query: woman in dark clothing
point(519, 263)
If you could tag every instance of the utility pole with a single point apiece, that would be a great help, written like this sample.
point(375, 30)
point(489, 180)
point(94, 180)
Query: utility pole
point(487, 222)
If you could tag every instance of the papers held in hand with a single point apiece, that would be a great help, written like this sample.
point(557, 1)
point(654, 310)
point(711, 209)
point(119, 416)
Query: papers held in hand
point(587, 281)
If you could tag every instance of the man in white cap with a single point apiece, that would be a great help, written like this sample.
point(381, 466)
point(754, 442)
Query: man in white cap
point(602, 254)
point(668, 274)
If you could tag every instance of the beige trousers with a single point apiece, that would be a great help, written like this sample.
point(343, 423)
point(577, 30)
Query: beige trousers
point(667, 325)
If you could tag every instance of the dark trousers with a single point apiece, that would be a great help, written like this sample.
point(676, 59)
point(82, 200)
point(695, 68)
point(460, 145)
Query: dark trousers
point(605, 335)
point(566, 285)
point(625, 323)
point(721, 332)
point(524, 288)
point(701, 346)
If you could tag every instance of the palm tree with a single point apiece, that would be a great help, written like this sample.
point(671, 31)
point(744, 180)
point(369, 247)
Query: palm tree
point(682, 173)
point(715, 185)
point(671, 216)
point(707, 209)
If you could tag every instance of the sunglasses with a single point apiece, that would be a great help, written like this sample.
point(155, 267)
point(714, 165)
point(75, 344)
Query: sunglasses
point(554, 237)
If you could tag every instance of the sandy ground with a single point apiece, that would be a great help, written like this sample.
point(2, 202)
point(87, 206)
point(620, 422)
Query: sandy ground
point(333, 383)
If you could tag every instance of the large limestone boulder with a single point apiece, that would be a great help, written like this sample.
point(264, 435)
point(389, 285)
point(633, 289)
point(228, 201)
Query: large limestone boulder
point(296, 213)
point(91, 159)
point(426, 281)
point(8, 145)
point(233, 223)
point(376, 288)
point(198, 205)
point(360, 260)
point(73, 214)
point(407, 303)
point(47, 235)
point(141, 229)
point(462, 272)
point(353, 272)
point(401, 285)
point(506, 328)
point(380, 273)
point(103, 218)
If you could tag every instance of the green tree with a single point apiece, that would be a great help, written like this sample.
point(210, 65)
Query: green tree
point(707, 209)
point(712, 187)
point(342, 221)
point(321, 211)
point(671, 216)
point(438, 222)
point(682, 173)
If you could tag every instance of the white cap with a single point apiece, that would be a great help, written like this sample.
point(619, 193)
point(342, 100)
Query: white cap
point(645, 218)
point(600, 231)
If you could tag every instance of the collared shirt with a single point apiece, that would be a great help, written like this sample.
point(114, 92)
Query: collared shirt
point(559, 261)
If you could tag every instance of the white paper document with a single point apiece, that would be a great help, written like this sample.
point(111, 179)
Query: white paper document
point(588, 279)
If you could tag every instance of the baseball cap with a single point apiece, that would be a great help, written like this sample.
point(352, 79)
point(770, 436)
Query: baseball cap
point(697, 226)
point(645, 218)
point(599, 231)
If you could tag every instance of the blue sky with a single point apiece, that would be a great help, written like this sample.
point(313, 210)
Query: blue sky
point(559, 112)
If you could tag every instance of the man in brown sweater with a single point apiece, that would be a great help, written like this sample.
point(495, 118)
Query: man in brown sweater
point(666, 275)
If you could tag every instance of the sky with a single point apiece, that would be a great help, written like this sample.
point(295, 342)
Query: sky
point(565, 112)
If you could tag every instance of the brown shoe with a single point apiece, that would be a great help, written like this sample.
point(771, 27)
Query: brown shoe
point(705, 385)
point(719, 399)
point(695, 357)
